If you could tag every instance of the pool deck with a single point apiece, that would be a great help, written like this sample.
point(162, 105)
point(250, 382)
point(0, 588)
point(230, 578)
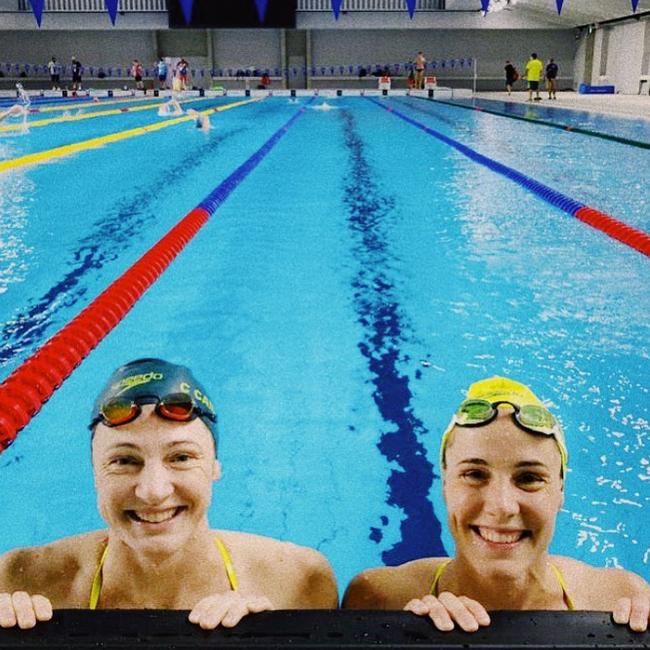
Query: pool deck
point(628, 105)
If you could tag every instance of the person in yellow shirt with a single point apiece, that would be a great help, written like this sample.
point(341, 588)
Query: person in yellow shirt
point(533, 72)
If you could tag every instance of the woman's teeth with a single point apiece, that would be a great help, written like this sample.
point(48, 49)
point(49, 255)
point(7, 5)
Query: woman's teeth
point(155, 517)
point(500, 537)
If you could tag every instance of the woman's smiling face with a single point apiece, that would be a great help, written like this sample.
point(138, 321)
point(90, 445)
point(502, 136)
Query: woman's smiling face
point(503, 490)
point(154, 480)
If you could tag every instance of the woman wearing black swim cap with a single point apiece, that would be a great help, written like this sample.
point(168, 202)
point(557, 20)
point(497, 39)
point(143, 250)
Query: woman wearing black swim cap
point(154, 458)
point(503, 460)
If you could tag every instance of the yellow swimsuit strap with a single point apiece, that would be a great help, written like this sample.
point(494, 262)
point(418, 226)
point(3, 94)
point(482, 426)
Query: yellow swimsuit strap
point(96, 587)
point(437, 575)
point(558, 574)
point(565, 592)
point(227, 562)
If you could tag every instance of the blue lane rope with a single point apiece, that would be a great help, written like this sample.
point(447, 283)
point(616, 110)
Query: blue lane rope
point(213, 200)
point(562, 201)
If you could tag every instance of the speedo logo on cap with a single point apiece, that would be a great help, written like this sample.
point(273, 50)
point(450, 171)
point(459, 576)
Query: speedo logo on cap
point(136, 380)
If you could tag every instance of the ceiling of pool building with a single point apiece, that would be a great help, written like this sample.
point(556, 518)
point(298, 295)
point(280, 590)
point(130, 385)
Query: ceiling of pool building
point(574, 13)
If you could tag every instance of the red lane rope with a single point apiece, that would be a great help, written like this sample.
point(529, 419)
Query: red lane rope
point(26, 389)
point(614, 228)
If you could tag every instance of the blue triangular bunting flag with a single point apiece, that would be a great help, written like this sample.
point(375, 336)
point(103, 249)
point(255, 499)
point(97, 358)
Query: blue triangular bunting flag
point(559, 4)
point(261, 9)
point(485, 5)
point(336, 8)
point(37, 8)
point(186, 6)
point(410, 4)
point(111, 5)
point(635, 4)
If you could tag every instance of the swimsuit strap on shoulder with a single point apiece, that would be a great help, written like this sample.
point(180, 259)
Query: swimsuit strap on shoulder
point(230, 569)
point(565, 592)
point(96, 587)
point(437, 575)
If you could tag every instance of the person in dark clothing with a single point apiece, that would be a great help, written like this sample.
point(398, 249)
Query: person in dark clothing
point(76, 74)
point(511, 76)
point(551, 76)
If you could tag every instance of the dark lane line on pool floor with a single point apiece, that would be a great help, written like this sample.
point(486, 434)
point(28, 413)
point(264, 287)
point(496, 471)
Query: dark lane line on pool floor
point(380, 316)
point(605, 223)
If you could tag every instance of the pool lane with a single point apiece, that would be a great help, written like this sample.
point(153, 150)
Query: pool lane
point(14, 144)
point(84, 145)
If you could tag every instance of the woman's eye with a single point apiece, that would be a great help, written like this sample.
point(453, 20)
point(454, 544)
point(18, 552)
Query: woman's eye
point(181, 458)
point(475, 475)
point(123, 461)
point(530, 478)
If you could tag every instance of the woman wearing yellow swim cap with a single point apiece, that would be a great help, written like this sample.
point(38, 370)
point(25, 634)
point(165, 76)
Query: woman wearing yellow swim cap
point(503, 460)
point(154, 458)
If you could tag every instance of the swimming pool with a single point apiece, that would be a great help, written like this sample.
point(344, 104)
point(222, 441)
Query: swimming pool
point(338, 302)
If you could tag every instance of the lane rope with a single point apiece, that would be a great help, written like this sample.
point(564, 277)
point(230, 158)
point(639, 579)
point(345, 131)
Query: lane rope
point(88, 116)
point(632, 237)
point(94, 143)
point(30, 385)
point(564, 127)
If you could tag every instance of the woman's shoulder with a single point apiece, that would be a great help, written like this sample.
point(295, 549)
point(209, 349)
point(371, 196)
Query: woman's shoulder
point(598, 587)
point(36, 568)
point(391, 587)
point(267, 549)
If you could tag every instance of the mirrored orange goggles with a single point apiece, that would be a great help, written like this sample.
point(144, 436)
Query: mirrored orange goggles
point(178, 407)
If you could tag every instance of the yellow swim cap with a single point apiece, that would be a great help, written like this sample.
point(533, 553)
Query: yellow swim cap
point(494, 390)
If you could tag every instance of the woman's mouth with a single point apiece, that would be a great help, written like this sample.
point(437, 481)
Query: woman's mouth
point(155, 516)
point(500, 536)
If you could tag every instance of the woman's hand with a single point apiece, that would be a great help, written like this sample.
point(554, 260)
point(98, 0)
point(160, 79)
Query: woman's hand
point(634, 612)
point(447, 609)
point(23, 610)
point(227, 609)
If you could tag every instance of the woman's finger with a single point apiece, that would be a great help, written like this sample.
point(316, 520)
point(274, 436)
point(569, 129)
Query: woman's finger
point(42, 607)
point(438, 614)
point(639, 613)
point(478, 611)
point(459, 612)
point(7, 613)
point(24, 609)
point(621, 612)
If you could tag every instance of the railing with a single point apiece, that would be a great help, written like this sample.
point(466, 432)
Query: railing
point(370, 5)
point(321, 630)
point(96, 5)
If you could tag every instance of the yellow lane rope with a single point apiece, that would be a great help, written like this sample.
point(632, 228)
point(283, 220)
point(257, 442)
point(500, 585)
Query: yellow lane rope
point(94, 143)
point(74, 105)
point(87, 116)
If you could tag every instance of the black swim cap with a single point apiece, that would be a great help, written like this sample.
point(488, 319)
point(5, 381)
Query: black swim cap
point(148, 380)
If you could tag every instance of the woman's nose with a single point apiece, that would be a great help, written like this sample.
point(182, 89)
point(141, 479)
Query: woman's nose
point(501, 497)
point(154, 484)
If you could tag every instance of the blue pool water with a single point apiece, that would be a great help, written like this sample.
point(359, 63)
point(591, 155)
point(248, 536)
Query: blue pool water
point(337, 304)
point(629, 127)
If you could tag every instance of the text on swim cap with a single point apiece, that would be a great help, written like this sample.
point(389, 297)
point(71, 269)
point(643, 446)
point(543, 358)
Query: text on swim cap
point(136, 380)
point(198, 396)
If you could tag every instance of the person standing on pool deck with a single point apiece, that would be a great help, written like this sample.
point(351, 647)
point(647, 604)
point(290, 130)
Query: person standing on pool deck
point(533, 72)
point(511, 76)
point(137, 72)
point(503, 460)
point(154, 456)
point(161, 73)
point(76, 74)
point(551, 76)
point(53, 69)
point(420, 64)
